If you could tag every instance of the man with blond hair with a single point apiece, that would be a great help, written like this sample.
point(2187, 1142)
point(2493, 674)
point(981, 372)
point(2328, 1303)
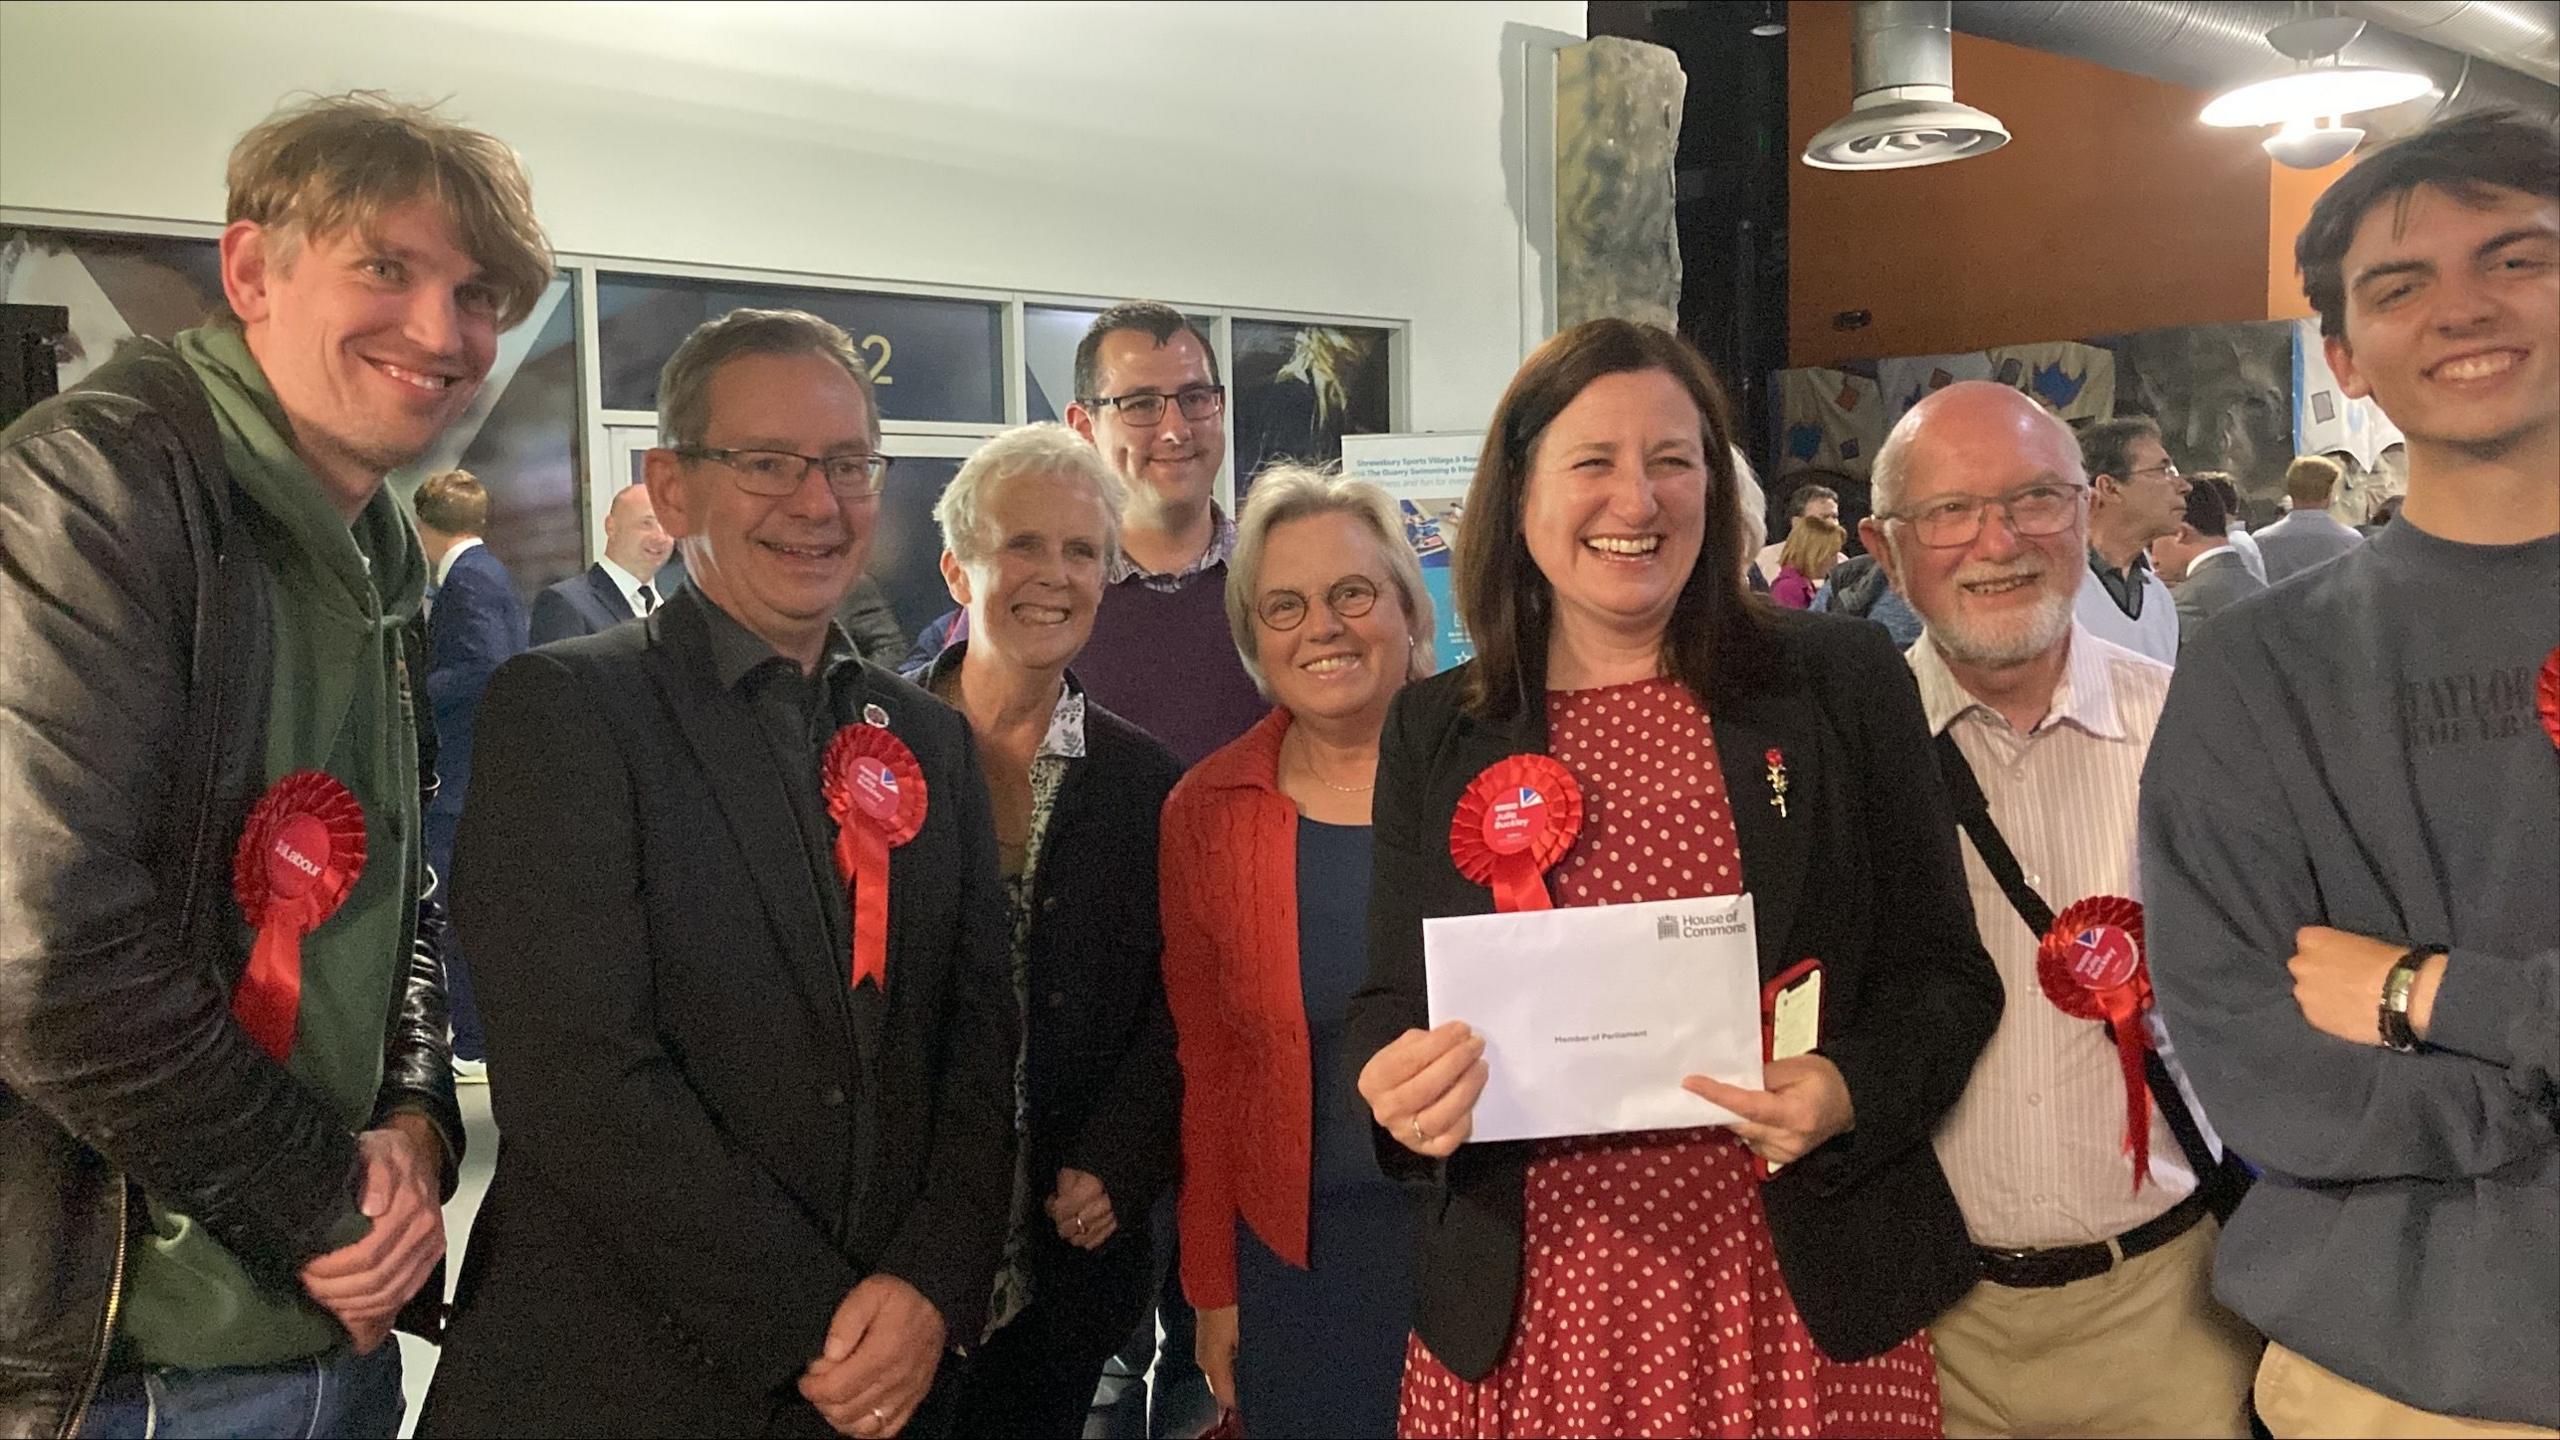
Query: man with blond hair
point(226, 1107)
point(2308, 534)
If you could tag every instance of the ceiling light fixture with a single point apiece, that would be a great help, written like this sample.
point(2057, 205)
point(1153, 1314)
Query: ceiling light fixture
point(2314, 89)
point(2310, 145)
point(1769, 24)
point(1905, 114)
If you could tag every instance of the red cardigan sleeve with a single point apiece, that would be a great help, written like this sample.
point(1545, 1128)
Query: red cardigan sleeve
point(1205, 1045)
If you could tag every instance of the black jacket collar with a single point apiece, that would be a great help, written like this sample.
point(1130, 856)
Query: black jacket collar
point(1774, 720)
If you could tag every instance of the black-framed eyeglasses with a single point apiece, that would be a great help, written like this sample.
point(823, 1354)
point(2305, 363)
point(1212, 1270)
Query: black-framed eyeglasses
point(1146, 407)
point(776, 473)
point(2033, 512)
point(1348, 598)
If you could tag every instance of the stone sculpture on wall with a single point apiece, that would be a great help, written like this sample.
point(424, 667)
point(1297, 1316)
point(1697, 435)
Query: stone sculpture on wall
point(1618, 106)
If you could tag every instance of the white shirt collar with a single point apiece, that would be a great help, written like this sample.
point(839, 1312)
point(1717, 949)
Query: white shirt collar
point(2224, 549)
point(2085, 695)
point(444, 567)
point(628, 583)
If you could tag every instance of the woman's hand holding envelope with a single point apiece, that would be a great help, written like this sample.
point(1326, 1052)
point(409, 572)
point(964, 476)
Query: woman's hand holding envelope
point(1422, 1088)
point(1805, 1104)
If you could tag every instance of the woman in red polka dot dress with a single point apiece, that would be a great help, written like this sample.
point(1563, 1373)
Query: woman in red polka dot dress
point(1655, 1283)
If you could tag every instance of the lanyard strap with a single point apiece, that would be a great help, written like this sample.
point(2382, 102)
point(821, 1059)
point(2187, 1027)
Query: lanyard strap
point(1973, 815)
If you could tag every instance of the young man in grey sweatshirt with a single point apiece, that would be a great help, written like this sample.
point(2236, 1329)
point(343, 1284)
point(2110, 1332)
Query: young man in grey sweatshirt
point(2351, 837)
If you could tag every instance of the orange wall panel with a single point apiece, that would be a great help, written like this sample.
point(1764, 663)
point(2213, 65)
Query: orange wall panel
point(2109, 210)
point(2290, 195)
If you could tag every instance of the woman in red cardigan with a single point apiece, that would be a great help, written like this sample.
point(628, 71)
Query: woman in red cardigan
point(1296, 1249)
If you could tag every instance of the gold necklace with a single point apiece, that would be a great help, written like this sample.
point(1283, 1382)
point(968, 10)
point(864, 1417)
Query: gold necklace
point(1307, 762)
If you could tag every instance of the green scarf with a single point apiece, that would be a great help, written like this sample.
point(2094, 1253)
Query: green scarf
point(338, 701)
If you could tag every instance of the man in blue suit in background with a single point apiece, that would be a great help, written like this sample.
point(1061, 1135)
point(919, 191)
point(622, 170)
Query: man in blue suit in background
point(475, 621)
point(619, 586)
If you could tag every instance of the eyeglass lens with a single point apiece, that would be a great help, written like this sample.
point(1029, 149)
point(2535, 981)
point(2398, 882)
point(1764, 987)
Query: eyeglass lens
point(1198, 402)
point(1349, 599)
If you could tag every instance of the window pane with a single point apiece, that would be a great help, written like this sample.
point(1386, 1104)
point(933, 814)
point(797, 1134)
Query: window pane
point(1298, 389)
point(930, 359)
point(519, 438)
point(115, 286)
point(906, 549)
point(1050, 334)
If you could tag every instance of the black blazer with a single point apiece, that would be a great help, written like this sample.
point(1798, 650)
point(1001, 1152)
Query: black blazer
point(1105, 1092)
point(580, 605)
point(709, 1136)
point(1862, 872)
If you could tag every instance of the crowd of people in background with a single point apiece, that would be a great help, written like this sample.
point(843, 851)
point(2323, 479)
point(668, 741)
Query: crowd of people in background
point(1049, 1027)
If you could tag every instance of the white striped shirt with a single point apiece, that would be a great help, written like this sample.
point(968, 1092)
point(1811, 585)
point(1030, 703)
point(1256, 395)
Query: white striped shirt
point(2035, 1147)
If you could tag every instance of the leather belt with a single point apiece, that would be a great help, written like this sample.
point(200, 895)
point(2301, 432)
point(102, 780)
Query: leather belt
point(2063, 1265)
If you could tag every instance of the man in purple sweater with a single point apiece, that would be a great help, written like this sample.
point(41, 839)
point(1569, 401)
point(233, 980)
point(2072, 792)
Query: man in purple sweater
point(1149, 398)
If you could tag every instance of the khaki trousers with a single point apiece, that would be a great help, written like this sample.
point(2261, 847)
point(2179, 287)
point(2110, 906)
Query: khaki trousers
point(2300, 1399)
point(2141, 1350)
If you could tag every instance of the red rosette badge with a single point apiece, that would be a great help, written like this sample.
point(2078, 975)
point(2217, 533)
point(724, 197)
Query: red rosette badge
point(875, 790)
point(2546, 696)
point(1514, 821)
point(2091, 967)
point(299, 855)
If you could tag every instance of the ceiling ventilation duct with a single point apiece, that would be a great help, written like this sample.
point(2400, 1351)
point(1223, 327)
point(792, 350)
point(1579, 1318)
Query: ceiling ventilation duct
point(2523, 35)
point(2211, 45)
point(1902, 61)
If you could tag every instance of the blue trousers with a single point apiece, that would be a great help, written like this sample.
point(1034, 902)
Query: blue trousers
point(340, 1393)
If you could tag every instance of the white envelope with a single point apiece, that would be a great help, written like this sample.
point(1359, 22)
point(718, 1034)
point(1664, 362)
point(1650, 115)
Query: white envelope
point(1592, 1015)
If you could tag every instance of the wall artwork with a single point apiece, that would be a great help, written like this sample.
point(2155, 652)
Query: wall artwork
point(2223, 395)
point(1297, 389)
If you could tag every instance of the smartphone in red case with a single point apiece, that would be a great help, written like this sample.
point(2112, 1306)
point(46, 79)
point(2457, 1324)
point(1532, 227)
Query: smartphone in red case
point(1790, 1018)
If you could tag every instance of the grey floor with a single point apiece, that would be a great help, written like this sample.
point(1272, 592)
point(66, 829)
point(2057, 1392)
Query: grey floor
point(480, 1156)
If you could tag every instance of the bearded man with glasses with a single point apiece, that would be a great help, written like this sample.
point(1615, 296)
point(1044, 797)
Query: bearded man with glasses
point(2095, 1313)
point(2136, 496)
point(732, 899)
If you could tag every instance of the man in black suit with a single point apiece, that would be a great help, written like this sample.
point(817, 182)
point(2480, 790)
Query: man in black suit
point(617, 587)
point(747, 1187)
point(2205, 573)
point(475, 623)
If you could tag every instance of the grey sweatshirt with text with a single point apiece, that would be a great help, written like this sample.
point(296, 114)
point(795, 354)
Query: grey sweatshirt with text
point(2359, 747)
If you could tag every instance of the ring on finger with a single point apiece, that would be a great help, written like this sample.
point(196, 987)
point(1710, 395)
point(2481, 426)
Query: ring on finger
point(1418, 1137)
point(1079, 1224)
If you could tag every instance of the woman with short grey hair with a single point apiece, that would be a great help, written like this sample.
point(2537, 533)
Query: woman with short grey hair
point(1046, 450)
point(1029, 528)
point(1295, 1249)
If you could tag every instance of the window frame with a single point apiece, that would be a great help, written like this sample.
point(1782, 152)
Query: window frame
point(594, 445)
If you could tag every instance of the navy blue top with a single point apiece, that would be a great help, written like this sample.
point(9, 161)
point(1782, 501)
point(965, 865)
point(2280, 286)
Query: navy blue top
point(1333, 960)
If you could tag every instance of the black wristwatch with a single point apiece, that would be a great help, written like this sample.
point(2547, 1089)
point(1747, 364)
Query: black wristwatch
point(2396, 984)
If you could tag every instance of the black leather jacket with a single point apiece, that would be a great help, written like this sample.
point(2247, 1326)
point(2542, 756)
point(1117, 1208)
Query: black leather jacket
point(135, 644)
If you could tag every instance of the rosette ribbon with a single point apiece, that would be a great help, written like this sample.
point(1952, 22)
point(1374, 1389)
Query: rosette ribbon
point(299, 855)
point(875, 791)
point(1515, 820)
point(2546, 696)
point(2091, 967)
